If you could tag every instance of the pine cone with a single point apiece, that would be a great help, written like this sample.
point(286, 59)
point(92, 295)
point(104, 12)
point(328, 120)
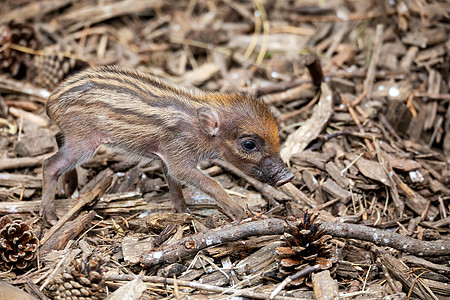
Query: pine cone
point(305, 245)
point(81, 280)
point(18, 244)
point(50, 69)
point(17, 33)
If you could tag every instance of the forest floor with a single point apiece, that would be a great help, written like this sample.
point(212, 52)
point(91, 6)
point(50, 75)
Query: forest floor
point(360, 91)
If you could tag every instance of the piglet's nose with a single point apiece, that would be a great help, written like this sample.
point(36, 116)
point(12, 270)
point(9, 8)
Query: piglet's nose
point(285, 178)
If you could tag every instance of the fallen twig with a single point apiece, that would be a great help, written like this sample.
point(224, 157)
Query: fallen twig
point(69, 231)
point(34, 9)
point(20, 113)
point(387, 238)
point(302, 273)
point(11, 85)
point(22, 162)
point(191, 245)
point(195, 285)
point(377, 43)
point(402, 273)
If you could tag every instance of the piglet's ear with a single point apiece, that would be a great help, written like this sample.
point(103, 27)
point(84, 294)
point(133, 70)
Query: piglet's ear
point(209, 120)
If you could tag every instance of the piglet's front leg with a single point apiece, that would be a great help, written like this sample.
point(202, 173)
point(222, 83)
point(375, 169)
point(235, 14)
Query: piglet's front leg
point(210, 187)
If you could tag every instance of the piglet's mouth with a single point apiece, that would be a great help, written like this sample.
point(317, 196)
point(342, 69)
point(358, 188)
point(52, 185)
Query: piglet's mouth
point(287, 177)
point(278, 179)
point(283, 181)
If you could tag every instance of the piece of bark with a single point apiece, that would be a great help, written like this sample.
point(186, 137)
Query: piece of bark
point(446, 141)
point(437, 224)
point(377, 43)
point(279, 87)
point(282, 118)
point(171, 230)
point(258, 260)
point(336, 174)
point(312, 158)
point(299, 140)
point(118, 203)
point(370, 169)
point(305, 91)
point(336, 191)
point(309, 180)
point(25, 105)
point(8, 291)
point(402, 273)
point(132, 290)
point(399, 205)
point(192, 274)
point(216, 278)
point(429, 55)
point(413, 200)
point(13, 180)
point(198, 76)
point(20, 87)
point(408, 58)
point(430, 115)
point(399, 116)
point(67, 232)
point(128, 182)
point(437, 186)
point(3, 108)
point(34, 145)
point(425, 37)
point(347, 270)
point(33, 289)
point(86, 198)
point(324, 286)
point(296, 194)
point(159, 221)
point(98, 13)
point(33, 10)
point(133, 248)
point(402, 164)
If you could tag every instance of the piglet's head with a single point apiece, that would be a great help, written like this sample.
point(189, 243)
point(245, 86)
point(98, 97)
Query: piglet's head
point(245, 134)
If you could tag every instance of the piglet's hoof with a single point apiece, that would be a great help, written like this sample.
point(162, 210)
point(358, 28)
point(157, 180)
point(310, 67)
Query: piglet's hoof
point(49, 216)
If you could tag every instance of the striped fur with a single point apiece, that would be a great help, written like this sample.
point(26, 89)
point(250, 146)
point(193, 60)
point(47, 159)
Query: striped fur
point(142, 113)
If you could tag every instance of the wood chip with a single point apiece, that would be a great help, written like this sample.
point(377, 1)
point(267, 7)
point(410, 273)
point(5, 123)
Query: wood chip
point(300, 139)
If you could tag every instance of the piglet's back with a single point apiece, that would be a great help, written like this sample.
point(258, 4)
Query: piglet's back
point(119, 90)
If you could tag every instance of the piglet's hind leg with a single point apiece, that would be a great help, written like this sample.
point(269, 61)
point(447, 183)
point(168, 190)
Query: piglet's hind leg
point(67, 158)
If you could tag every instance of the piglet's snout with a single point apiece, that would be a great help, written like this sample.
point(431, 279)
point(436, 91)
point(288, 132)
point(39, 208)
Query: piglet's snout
point(276, 171)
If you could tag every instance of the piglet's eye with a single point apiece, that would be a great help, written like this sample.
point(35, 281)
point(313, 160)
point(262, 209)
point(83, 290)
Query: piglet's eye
point(248, 145)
